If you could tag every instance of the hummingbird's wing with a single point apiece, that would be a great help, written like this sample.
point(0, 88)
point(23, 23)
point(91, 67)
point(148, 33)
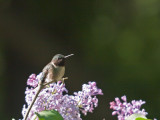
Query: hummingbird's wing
point(47, 73)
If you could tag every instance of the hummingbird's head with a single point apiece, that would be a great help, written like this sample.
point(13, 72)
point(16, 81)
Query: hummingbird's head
point(59, 59)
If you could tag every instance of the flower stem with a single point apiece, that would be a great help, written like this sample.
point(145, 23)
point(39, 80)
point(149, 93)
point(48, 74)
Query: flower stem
point(40, 87)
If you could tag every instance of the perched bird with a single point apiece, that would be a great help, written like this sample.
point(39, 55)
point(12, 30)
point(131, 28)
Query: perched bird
point(52, 72)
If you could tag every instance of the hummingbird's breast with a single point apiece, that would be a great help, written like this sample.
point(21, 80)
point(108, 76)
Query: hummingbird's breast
point(59, 72)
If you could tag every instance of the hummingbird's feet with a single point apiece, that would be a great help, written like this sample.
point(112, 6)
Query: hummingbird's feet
point(64, 79)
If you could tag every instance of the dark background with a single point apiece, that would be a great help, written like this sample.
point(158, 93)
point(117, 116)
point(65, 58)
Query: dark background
point(116, 43)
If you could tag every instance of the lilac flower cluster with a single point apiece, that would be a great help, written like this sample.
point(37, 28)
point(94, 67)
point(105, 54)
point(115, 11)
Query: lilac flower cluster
point(125, 109)
point(52, 97)
point(84, 98)
point(32, 80)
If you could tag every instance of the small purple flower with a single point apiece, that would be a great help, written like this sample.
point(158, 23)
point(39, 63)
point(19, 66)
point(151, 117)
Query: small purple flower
point(124, 109)
point(124, 98)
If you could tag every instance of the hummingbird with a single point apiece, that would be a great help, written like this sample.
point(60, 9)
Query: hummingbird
point(52, 72)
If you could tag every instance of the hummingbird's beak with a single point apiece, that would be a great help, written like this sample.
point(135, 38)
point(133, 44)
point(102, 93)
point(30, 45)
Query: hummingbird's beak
point(68, 55)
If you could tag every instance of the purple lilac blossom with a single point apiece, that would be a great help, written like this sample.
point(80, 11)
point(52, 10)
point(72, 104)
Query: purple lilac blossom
point(124, 109)
point(52, 97)
point(84, 98)
point(32, 81)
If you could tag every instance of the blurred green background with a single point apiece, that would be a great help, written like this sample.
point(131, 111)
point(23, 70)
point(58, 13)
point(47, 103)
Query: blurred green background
point(116, 43)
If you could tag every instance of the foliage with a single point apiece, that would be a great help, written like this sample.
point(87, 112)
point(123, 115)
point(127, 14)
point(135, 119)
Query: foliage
point(49, 115)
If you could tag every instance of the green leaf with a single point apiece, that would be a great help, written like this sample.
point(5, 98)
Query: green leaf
point(137, 117)
point(49, 115)
point(142, 118)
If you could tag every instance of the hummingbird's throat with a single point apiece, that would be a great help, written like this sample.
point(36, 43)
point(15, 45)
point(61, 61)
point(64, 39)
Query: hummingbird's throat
point(59, 62)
